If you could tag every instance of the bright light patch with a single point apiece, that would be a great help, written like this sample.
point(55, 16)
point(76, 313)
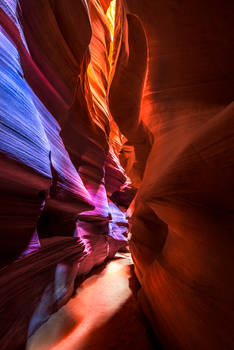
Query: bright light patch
point(111, 17)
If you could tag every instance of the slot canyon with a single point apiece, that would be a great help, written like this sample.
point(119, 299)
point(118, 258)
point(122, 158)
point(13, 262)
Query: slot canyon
point(116, 174)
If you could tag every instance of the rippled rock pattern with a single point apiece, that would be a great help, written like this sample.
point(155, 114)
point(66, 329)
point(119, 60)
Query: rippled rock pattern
point(182, 226)
point(57, 164)
point(108, 106)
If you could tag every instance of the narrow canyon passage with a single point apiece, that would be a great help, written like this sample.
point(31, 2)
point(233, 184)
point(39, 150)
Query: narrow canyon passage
point(102, 315)
point(116, 133)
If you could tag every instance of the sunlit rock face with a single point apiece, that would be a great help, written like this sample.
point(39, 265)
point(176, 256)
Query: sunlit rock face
point(182, 226)
point(56, 120)
point(59, 156)
point(99, 99)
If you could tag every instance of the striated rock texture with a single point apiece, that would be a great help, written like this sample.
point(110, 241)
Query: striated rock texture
point(182, 226)
point(34, 287)
point(58, 160)
point(99, 99)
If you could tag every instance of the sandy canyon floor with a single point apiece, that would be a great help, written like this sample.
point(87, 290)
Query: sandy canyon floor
point(103, 314)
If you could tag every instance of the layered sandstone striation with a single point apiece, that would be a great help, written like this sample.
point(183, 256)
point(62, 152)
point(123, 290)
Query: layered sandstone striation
point(59, 163)
point(182, 230)
point(100, 100)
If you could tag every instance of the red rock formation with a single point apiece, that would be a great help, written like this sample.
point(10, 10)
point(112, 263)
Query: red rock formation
point(182, 242)
point(84, 101)
point(55, 154)
point(35, 286)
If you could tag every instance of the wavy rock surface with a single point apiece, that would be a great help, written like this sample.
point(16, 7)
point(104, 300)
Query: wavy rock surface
point(70, 149)
point(98, 91)
point(34, 287)
point(182, 241)
point(56, 172)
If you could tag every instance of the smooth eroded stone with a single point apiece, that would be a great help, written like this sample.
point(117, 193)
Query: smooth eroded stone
point(34, 287)
point(182, 242)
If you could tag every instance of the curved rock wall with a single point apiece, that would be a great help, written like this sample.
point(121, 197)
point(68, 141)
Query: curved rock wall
point(58, 166)
point(78, 112)
point(182, 226)
point(64, 138)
